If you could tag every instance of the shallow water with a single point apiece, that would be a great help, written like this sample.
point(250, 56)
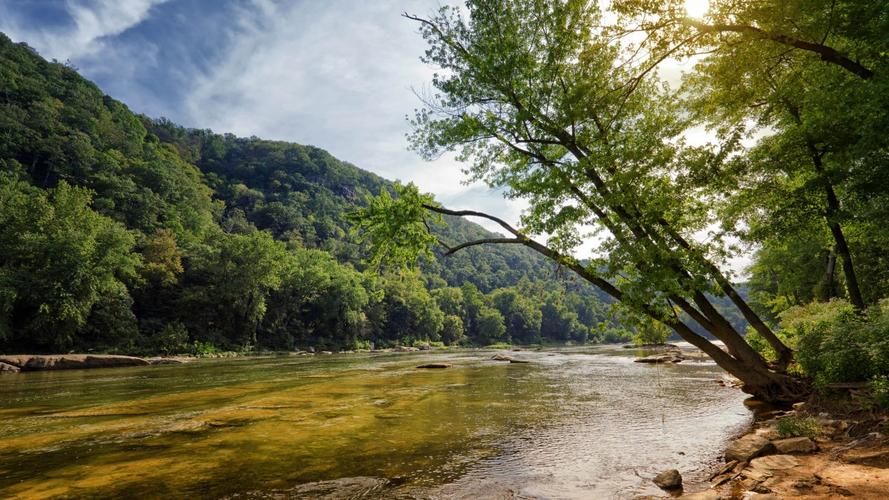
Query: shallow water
point(574, 423)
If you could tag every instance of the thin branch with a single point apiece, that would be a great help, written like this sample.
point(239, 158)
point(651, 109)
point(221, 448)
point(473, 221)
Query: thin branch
point(461, 246)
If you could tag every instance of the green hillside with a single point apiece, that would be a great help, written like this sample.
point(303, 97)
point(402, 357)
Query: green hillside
point(123, 233)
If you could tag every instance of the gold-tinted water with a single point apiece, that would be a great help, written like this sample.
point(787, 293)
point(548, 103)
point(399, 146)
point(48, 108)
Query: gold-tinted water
point(567, 424)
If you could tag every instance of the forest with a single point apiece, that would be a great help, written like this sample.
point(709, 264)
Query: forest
point(126, 234)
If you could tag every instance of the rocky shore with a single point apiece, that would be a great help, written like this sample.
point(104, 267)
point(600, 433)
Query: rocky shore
point(838, 457)
point(35, 362)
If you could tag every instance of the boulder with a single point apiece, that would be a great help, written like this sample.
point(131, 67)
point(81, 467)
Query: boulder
point(326, 352)
point(668, 480)
point(668, 357)
point(425, 347)
point(27, 362)
point(7, 368)
point(795, 445)
point(434, 365)
point(501, 357)
point(747, 447)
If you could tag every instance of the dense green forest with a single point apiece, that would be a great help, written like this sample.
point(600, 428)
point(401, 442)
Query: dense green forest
point(126, 234)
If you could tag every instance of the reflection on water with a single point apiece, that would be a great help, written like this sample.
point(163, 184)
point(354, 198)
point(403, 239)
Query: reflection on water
point(579, 423)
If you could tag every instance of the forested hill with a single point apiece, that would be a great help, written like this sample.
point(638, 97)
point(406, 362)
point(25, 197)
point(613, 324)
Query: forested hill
point(302, 193)
point(123, 233)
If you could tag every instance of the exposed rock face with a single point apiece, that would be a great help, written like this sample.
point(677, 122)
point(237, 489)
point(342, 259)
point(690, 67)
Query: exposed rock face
point(27, 362)
point(7, 368)
point(668, 480)
point(748, 447)
point(435, 365)
point(795, 445)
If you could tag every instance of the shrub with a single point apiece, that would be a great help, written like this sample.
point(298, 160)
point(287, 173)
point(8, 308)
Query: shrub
point(199, 348)
point(795, 426)
point(172, 339)
point(879, 387)
point(833, 343)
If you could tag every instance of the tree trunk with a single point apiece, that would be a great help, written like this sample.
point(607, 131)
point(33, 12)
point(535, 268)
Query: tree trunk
point(741, 361)
point(842, 247)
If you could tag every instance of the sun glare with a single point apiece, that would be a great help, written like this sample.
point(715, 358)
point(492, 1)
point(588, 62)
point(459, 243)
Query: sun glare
point(697, 8)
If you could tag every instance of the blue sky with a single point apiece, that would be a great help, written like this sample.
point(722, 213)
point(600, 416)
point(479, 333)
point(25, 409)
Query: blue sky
point(332, 73)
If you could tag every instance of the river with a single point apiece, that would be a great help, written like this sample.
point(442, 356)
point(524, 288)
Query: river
point(572, 423)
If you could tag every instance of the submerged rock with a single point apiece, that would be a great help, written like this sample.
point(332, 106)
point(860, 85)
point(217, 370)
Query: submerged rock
point(27, 362)
point(435, 365)
point(668, 480)
point(164, 361)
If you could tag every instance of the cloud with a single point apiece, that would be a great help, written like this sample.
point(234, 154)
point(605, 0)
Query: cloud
point(88, 23)
point(338, 75)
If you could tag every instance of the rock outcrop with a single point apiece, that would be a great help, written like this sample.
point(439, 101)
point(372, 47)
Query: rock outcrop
point(7, 368)
point(28, 362)
point(795, 445)
point(748, 447)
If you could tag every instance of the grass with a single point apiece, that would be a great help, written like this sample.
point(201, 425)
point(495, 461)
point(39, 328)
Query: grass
point(499, 345)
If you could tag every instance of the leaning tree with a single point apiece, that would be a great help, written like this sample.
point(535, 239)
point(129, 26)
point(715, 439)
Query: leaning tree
point(545, 106)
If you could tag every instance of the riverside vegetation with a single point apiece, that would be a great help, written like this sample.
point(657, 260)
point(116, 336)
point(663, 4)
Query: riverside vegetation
point(122, 233)
point(125, 234)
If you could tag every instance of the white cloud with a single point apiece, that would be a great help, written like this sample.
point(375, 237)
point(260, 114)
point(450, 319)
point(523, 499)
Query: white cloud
point(338, 75)
point(92, 20)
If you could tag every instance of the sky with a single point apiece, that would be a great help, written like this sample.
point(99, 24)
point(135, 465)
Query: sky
point(336, 74)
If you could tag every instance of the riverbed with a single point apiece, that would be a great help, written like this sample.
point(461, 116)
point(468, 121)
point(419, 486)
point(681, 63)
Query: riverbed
point(572, 423)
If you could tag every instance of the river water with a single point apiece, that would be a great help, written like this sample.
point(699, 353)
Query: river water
point(572, 423)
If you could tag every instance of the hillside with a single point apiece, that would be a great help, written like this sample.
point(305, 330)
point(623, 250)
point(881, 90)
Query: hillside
point(127, 234)
point(302, 193)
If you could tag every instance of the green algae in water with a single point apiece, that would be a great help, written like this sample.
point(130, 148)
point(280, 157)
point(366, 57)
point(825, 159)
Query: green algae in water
point(221, 428)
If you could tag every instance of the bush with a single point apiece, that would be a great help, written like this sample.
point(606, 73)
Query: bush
point(199, 348)
point(796, 426)
point(879, 387)
point(833, 343)
point(171, 340)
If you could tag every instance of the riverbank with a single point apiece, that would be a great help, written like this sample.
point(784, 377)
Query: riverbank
point(804, 453)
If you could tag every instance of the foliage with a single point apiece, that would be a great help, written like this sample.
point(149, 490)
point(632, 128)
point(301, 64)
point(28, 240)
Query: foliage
point(879, 387)
point(127, 234)
point(651, 332)
point(61, 264)
point(835, 344)
point(796, 426)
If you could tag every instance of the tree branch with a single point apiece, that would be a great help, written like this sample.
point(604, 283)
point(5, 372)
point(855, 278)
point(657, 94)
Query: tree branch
point(461, 246)
point(827, 53)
